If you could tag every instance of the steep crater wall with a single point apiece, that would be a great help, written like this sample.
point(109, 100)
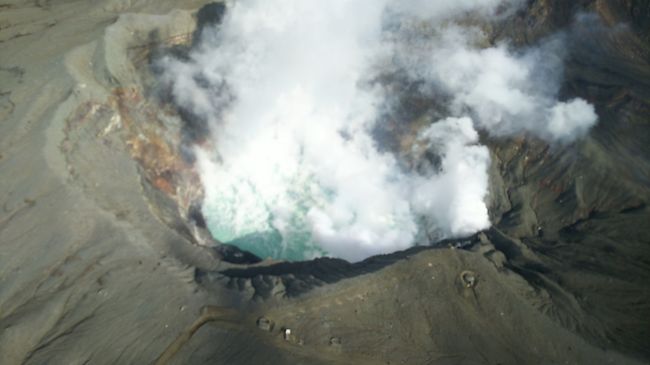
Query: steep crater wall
point(565, 217)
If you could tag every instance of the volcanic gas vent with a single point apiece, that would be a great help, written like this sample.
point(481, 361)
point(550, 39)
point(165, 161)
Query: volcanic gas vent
point(350, 129)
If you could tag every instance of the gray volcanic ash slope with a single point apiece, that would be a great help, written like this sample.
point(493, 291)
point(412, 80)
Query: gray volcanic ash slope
point(588, 202)
point(105, 256)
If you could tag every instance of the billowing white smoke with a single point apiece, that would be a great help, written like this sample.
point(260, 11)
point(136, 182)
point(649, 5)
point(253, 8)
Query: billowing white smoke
point(286, 86)
point(507, 93)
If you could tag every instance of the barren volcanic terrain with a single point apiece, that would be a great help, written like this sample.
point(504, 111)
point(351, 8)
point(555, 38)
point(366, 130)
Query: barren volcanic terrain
point(106, 251)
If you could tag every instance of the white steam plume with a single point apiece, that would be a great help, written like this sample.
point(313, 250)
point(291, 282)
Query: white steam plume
point(287, 89)
point(507, 92)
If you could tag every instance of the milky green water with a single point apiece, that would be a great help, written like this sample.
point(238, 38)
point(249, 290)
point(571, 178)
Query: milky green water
point(238, 213)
